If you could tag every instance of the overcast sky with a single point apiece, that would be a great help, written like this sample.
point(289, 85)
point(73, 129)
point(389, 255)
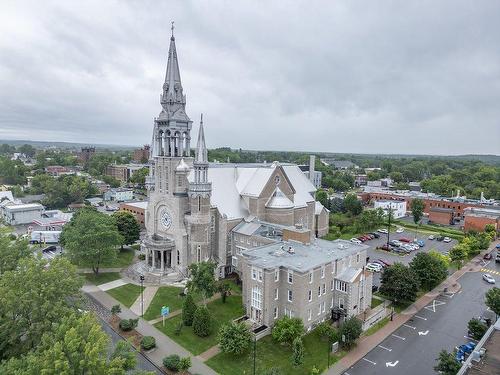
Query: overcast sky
point(340, 76)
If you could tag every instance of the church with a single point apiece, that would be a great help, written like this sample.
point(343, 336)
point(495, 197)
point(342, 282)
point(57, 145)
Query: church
point(201, 211)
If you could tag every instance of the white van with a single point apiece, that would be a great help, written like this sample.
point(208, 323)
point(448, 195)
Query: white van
point(45, 236)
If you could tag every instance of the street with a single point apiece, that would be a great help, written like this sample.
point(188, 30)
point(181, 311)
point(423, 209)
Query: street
point(413, 348)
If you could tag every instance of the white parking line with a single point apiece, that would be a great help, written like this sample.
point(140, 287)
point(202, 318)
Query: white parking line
point(406, 325)
point(419, 317)
point(470, 338)
point(367, 360)
point(399, 337)
point(383, 347)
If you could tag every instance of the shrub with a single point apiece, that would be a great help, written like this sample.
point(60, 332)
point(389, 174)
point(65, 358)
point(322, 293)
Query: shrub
point(477, 329)
point(124, 351)
point(298, 352)
point(188, 310)
point(185, 363)
point(350, 330)
point(148, 342)
point(141, 256)
point(234, 338)
point(326, 331)
point(202, 325)
point(128, 324)
point(287, 329)
point(116, 309)
point(178, 329)
point(172, 362)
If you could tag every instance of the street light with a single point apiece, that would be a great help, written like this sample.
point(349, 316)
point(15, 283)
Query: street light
point(141, 277)
point(254, 351)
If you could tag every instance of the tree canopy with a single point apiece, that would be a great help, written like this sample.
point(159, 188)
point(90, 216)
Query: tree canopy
point(127, 226)
point(431, 270)
point(202, 279)
point(399, 283)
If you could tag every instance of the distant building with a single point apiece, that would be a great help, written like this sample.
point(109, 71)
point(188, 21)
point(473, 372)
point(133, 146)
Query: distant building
point(58, 170)
point(123, 172)
point(85, 154)
point(15, 214)
point(310, 172)
point(398, 208)
point(438, 215)
point(101, 186)
point(340, 164)
point(119, 195)
point(141, 155)
point(383, 182)
point(476, 219)
point(415, 186)
point(138, 209)
point(360, 180)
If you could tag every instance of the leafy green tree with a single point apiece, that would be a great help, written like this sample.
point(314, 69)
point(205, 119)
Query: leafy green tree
point(27, 150)
point(127, 226)
point(34, 297)
point(91, 238)
point(399, 283)
point(297, 352)
point(203, 279)
point(234, 338)
point(322, 197)
point(124, 351)
point(458, 254)
point(417, 209)
point(447, 365)
point(202, 322)
point(476, 328)
point(287, 329)
point(490, 229)
point(188, 310)
point(11, 252)
point(493, 300)
point(139, 176)
point(431, 271)
point(224, 289)
point(445, 259)
point(352, 204)
point(349, 332)
point(111, 181)
point(116, 309)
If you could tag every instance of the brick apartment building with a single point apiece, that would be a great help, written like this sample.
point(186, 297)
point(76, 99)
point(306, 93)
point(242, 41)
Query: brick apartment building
point(138, 209)
point(123, 172)
point(85, 154)
point(141, 155)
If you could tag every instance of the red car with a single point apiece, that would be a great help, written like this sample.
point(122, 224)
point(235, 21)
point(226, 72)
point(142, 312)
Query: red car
point(405, 240)
point(487, 256)
point(387, 264)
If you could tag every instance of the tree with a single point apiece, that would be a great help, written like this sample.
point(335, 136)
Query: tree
point(476, 328)
point(349, 332)
point(431, 271)
point(352, 204)
point(203, 279)
point(490, 229)
point(34, 297)
point(234, 338)
point(116, 309)
point(417, 209)
point(184, 363)
point(445, 259)
point(447, 364)
point(458, 254)
point(322, 197)
point(188, 310)
point(11, 252)
point(202, 322)
point(224, 289)
point(399, 283)
point(125, 351)
point(127, 226)
point(27, 150)
point(298, 352)
point(139, 176)
point(91, 238)
point(287, 329)
point(493, 300)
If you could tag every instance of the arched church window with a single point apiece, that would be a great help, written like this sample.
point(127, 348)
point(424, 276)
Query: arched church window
point(198, 253)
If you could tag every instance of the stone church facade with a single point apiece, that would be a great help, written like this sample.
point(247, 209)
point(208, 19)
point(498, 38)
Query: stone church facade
point(201, 211)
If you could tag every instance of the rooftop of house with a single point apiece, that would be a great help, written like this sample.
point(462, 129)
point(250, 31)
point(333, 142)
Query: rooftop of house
point(141, 204)
point(300, 257)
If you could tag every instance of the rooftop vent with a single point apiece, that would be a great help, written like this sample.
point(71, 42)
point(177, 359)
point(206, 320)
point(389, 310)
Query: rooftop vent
point(291, 250)
point(299, 226)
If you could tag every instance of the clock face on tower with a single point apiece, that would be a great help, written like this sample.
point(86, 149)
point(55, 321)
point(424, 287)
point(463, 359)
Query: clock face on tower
point(165, 219)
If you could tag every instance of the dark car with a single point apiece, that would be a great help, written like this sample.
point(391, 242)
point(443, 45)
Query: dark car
point(385, 247)
point(404, 239)
point(488, 256)
point(440, 238)
point(49, 248)
point(374, 234)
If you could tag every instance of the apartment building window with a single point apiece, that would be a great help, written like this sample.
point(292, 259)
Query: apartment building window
point(309, 295)
point(275, 313)
point(331, 303)
point(309, 314)
point(341, 285)
point(290, 296)
point(234, 261)
point(319, 309)
point(319, 291)
point(310, 277)
point(276, 291)
point(331, 285)
point(324, 288)
point(212, 224)
point(290, 277)
point(334, 266)
point(257, 274)
point(198, 253)
point(322, 271)
point(323, 306)
point(341, 303)
point(257, 298)
point(276, 275)
point(289, 313)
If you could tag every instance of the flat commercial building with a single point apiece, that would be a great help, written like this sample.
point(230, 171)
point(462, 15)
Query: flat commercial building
point(138, 209)
point(16, 214)
point(119, 195)
point(398, 208)
point(123, 172)
point(476, 219)
point(442, 216)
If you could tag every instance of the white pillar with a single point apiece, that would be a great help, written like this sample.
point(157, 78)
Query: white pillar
point(172, 145)
point(181, 144)
point(188, 146)
point(147, 257)
point(154, 258)
point(165, 144)
point(162, 260)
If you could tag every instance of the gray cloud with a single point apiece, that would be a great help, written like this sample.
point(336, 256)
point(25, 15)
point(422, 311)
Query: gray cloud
point(357, 76)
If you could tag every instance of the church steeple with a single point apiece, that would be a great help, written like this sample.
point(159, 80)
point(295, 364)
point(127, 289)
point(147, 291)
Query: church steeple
point(201, 156)
point(200, 185)
point(172, 88)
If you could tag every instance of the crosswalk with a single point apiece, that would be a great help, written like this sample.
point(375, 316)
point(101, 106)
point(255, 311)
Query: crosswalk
point(487, 270)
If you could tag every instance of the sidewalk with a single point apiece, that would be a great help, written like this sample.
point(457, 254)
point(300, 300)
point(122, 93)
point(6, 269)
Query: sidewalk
point(165, 346)
point(366, 344)
point(101, 270)
point(148, 295)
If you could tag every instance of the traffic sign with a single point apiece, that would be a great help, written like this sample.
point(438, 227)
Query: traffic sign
point(165, 310)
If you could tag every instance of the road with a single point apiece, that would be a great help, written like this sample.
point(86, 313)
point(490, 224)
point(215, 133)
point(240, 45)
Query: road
point(413, 348)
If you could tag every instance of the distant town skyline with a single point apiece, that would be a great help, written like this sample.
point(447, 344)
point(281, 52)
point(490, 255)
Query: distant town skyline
point(344, 77)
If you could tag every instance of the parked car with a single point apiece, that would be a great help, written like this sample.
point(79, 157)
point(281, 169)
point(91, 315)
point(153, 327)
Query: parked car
point(439, 238)
point(378, 262)
point(431, 237)
point(400, 230)
point(382, 230)
point(370, 236)
point(498, 246)
point(421, 243)
point(385, 262)
point(362, 239)
point(396, 243)
point(447, 239)
point(487, 256)
point(356, 241)
point(385, 247)
point(375, 234)
point(374, 267)
point(459, 356)
point(488, 278)
point(49, 248)
point(404, 239)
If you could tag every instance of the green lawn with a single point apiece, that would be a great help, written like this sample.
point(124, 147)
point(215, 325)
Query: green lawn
point(101, 278)
point(270, 354)
point(126, 294)
point(376, 327)
point(376, 302)
point(165, 296)
point(220, 312)
point(124, 259)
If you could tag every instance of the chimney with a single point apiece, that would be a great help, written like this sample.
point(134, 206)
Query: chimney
point(312, 161)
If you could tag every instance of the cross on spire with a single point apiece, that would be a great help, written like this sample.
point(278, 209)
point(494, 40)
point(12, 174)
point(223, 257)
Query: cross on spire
point(172, 28)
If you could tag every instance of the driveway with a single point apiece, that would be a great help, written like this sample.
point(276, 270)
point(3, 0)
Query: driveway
point(413, 348)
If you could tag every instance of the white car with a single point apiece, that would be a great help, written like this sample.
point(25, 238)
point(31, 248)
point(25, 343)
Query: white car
point(400, 230)
point(374, 267)
point(447, 239)
point(488, 278)
point(431, 237)
point(382, 230)
point(356, 241)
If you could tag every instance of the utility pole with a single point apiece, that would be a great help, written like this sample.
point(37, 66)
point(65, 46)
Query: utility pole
point(389, 213)
point(141, 277)
point(254, 351)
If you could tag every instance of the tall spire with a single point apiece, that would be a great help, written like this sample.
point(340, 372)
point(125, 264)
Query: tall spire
point(172, 88)
point(201, 156)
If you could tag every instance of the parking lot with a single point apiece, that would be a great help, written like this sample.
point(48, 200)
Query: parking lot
point(442, 324)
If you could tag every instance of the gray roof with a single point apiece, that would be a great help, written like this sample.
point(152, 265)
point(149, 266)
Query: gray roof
point(304, 257)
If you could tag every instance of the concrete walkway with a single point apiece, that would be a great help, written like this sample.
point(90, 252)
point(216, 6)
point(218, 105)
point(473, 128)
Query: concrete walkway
point(366, 344)
point(101, 270)
point(165, 346)
point(112, 284)
point(148, 294)
point(206, 355)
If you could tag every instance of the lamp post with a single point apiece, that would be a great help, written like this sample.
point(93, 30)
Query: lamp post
point(141, 277)
point(389, 214)
point(254, 351)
